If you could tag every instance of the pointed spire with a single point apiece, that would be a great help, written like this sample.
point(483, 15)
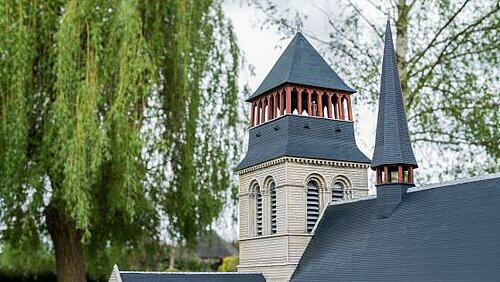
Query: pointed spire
point(392, 144)
point(300, 63)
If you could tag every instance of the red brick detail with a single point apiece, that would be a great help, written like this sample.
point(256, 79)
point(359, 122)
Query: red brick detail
point(282, 101)
point(329, 105)
point(299, 100)
point(400, 173)
point(252, 113)
point(341, 105)
point(288, 91)
point(387, 176)
point(349, 107)
point(309, 101)
point(275, 105)
point(263, 110)
point(269, 107)
point(320, 104)
point(258, 112)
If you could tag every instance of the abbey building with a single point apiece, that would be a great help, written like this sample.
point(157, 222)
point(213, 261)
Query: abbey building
point(304, 209)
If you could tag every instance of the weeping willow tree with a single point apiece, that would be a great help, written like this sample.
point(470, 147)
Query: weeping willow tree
point(113, 116)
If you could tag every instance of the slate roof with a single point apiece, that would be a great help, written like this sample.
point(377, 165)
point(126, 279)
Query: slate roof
point(447, 232)
point(213, 246)
point(300, 63)
point(127, 276)
point(302, 136)
point(392, 142)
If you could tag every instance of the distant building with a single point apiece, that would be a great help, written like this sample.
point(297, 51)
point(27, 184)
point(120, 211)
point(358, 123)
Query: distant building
point(304, 210)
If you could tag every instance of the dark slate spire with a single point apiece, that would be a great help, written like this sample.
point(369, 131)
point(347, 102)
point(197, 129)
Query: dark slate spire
point(300, 63)
point(392, 144)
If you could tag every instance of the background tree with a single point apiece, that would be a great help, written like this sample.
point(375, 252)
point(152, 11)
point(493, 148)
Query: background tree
point(113, 115)
point(447, 54)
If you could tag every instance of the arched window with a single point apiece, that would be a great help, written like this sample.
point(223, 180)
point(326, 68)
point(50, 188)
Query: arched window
point(272, 194)
point(255, 210)
point(312, 204)
point(338, 191)
point(258, 211)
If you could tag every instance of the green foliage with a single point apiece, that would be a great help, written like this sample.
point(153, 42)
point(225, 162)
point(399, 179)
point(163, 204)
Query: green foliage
point(447, 54)
point(117, 113)
point(229, 264)
point(26, 260)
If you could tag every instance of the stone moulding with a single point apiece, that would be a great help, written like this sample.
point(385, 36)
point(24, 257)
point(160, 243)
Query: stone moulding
point(303, 161)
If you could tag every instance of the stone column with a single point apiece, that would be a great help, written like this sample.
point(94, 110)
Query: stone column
point(329, 105)
point(269, 108)
point(288, 99)
point(320, 104)
point(263, 110)
point(275, 105)
point(387, 176)
point(341, 108)
point(400, 174)
point(282, 101)
point(252, 112)
point(258, 112)
point(299, 100)
point(309, 102)
point(349, 108)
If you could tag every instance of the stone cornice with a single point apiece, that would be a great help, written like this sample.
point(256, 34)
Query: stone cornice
point(276, 236)
point(304, 161)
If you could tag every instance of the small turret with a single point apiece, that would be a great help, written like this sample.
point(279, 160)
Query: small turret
point(393, 159)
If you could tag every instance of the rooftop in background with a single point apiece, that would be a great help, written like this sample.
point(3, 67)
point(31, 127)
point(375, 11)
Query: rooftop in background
point(300, 63)
point(139, 276)
point(213, 246)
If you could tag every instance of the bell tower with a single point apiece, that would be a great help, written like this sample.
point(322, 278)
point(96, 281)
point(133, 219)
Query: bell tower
point(301, 156)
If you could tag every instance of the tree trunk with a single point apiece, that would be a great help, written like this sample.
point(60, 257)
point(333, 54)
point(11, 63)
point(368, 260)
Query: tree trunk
point(402, 44)
point(67, 244)
point(171, 261)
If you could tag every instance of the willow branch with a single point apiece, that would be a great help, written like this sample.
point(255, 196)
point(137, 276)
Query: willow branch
point(432, 43)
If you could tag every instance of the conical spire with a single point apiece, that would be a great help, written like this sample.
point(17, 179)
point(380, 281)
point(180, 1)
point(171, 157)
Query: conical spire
point(392, 144)
point(300, 63)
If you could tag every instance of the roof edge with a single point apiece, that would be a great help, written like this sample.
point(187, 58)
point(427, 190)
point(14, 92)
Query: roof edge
point(287, 157)
point(116, 270)
point(455, 182)
point(293, 84)
point(350, 201)
point(189, 273)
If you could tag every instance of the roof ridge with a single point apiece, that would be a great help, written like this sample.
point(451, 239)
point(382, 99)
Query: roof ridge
point(350, 201)
point(185, 273)
point(294, 49)
point(455, 182)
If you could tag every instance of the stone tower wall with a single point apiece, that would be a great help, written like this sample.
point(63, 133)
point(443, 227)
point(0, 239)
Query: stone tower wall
point(277, 255)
